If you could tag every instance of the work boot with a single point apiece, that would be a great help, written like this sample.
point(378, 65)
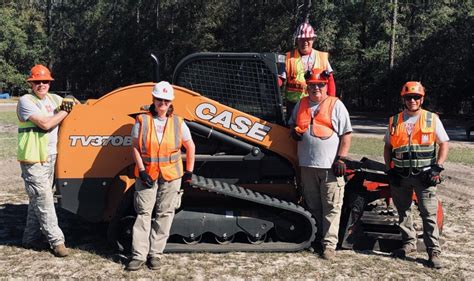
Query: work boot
point(134, 265)
point(404, 251)
point(329, 254)
point(434, 260)
point(37, 245)
point(60, 251)
point(154, 263)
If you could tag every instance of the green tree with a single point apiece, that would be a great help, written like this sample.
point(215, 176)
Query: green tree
point(23, 43)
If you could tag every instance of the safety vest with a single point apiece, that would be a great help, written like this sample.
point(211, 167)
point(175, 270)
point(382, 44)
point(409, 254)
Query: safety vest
point(322, 120)
point(32, 140)
point(417, 150)
point(295, 81)
point(160, 158)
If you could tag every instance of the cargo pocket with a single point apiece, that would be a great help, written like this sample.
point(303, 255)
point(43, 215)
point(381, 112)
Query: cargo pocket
point(340, 181)
point(178, 199)
point(339, 193)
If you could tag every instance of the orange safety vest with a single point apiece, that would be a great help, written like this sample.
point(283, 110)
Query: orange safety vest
point(160, 158)
point(417, 150)
point(322, 120)
point(296, 83)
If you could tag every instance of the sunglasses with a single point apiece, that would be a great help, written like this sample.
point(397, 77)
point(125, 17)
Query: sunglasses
point(41, 82)
point(409, 98)
point(316, 86)
point(162, 100)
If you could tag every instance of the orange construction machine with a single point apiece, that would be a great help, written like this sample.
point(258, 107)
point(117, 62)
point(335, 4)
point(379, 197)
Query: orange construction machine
point(245, 183)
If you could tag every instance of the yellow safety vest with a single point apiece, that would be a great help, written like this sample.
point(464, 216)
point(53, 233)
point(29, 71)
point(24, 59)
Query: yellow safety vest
point(296, 83)
point(32, 140)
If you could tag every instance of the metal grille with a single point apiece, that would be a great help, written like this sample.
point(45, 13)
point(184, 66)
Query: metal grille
point(246, 82)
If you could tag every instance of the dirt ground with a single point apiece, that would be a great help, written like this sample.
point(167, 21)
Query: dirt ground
point(90, 258)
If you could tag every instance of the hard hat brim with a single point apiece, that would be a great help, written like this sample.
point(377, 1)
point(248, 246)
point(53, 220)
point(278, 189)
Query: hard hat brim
point(316, 81)
point(39, 79)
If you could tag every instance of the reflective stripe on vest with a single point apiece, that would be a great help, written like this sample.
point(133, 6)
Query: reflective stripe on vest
point(417, 150)
point(33, 141)
point(160, 158)
point(296, 83)
point(322, 120)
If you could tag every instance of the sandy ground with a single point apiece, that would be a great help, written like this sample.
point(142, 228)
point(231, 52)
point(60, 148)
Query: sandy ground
point(90, 258)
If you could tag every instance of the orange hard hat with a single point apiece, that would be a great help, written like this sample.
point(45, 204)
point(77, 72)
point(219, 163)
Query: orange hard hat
point(40, 73)
point(413, 87)
point(318, 76)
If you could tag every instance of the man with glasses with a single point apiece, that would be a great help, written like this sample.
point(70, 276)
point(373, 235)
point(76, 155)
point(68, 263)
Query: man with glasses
point(414, 166)
point(322, 127)
point(158, 136)
point(39, 115)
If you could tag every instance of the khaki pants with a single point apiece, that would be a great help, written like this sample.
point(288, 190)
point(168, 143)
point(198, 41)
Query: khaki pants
point(41, 218)
point(428, 206)
point(324, 194)
point(149, 237)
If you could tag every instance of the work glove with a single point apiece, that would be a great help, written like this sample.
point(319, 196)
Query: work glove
point(435, 174)
point(186, 179)
point(295, 135)
point(339, 167)
point(68, 103)
point(146, 179)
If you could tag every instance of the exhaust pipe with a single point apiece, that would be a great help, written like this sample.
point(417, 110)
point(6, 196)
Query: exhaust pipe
point(156, 68)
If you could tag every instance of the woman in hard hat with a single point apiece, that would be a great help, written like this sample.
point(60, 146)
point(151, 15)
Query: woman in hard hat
point(158, 136)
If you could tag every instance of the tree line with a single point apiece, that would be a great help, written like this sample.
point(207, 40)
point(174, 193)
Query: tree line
point(93, 47)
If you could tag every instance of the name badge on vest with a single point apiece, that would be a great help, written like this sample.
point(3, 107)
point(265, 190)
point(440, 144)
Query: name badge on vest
point(425, 138)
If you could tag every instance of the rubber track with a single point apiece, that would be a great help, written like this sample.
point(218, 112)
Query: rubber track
point(239, 192)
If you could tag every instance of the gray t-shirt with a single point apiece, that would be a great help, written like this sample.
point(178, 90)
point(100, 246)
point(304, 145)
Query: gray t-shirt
point(441, 135)
point(320, 153)
point(160, 128)
point(28, 106)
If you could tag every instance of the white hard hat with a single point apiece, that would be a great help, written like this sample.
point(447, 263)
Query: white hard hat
point(305, 31)
point(163, 90)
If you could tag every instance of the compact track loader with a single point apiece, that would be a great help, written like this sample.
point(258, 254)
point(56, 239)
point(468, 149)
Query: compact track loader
point(244, 194)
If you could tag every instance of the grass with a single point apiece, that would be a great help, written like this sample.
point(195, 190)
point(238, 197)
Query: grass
point(368, 147)
point(461, 155)
point(8, 118)
point(374, 147)
point(8, 145)
point(8, 139)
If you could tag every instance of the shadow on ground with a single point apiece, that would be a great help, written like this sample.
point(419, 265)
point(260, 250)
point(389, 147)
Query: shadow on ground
point(79, 234)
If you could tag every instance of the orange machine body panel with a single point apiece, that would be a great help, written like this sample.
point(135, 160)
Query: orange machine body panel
point(95, 147)
point(94, 140)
